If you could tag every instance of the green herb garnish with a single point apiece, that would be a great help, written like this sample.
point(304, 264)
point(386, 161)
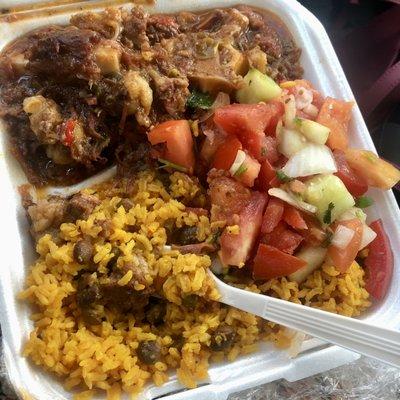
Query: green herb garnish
point(364, 201)
point(263, 151)
point(328, 214)
point(297, 121)
point(169, 164)
point(214, 237)
point(240, 171)
point(282, 176)
point(328, 239)
point(199, 100)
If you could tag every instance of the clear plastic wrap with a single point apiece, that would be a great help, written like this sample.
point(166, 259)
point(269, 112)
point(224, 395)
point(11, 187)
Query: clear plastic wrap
point(364, 379)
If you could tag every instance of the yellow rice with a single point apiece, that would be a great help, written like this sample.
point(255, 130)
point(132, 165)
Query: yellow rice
point(103, 357)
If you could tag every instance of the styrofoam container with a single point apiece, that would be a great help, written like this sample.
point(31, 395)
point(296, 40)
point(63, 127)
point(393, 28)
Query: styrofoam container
point(322, 68)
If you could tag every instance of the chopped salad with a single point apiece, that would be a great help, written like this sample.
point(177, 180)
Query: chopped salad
point(282, 177)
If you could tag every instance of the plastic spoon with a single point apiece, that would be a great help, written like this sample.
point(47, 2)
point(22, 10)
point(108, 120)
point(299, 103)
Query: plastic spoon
point(353, 334)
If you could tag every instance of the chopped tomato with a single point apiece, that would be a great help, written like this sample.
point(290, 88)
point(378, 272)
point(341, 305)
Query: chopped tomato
point(226, 153)
point(377, 172)
point(270, 129)
point(379, 263)
point(267, 176)
point(69, 132)
point(269, 149)
point(314, 235)
point(354, 183)
point(335, 114)
point(293, 218)
point(343, 258)
point(179, 142)
point(271, 262)
point(236, 249)
point(283, 238)
point(273, 214)
point(213, 139)
point(248, 122)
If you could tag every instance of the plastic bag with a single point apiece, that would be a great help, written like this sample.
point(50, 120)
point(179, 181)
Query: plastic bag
point(364, 379)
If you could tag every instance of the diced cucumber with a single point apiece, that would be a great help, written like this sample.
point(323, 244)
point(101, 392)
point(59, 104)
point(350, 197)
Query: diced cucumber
point(290, 142)
point(257, 87)
point(329, 194)
point(314, 257)
point(314, 131)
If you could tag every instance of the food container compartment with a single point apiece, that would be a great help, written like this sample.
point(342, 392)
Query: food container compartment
point(323, 69)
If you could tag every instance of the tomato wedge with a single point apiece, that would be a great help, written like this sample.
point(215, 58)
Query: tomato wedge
point(273, 214)
point(354, 183)
point(336, 114)
point(377, 172)
point(266, 177)
point(293, 218)
point(236, 249)
point(248, 123)
point(226, 154)
point(179, 142)
point(283, 238)
point(379, 263)
point(271, 262)
point(343, 258)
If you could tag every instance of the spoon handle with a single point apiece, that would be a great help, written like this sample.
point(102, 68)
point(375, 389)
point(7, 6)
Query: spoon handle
point(353, 334)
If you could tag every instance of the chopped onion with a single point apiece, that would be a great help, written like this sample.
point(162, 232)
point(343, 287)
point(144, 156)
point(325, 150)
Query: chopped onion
point(368, 235)
point(296, 341)
point(290, 142)
point(342, 237)
point(304, 97)
point(292, 200)
point(239, 160)
point(311, 110)
point(311, 160)
point(221, 100)
point(217, 266)
point(290, 111)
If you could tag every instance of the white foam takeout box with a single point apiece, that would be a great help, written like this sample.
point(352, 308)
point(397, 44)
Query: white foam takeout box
point(322, 68)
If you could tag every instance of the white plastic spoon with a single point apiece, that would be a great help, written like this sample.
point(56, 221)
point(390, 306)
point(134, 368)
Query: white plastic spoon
point(353, 334)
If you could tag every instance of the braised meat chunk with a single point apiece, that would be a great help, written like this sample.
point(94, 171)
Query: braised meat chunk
point(71, 95)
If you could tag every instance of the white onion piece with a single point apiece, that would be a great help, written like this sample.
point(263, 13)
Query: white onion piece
point(239, 160)
point(342, 237)
point(304, 97)
point(296, 341)
point(311, 160)
point(290, 142)
point(290, 111)
point(368, 235)
point(311, 110)
point(217, 266)
point(292, 200)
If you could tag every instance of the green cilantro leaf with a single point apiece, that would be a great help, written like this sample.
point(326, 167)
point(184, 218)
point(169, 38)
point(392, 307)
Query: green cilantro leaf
point(282, 176)
point(328, 214)
point(169, 164)
point(364, 201)
point(240, 171)
point(199, 100)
